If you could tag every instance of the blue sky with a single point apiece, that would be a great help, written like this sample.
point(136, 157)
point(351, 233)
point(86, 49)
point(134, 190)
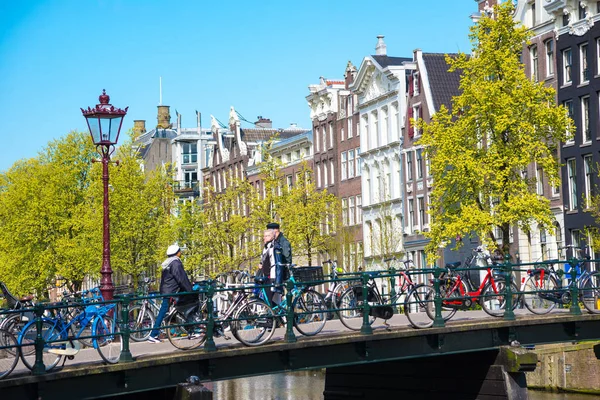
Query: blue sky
point(56, 56)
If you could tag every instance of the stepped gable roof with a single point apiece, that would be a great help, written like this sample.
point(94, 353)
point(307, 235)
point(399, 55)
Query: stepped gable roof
point(386, 61)
point(444, 85)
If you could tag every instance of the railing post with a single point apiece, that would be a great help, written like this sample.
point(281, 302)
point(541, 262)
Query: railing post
point(365, 329)
point(438, 321)
point(574, 289)
point(38, 367)
point(509, 314)
point(289, 337)
point(393, 288)
point(210, 345)
point(126, 355)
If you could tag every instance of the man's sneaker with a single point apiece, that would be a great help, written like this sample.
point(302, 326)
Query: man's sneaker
point(152, 339)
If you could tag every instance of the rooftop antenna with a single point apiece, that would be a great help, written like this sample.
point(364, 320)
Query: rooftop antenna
point(160, 91)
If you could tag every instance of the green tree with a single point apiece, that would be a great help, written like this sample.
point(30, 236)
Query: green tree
point(310, 216)
point(43, 217)
point(501, 122)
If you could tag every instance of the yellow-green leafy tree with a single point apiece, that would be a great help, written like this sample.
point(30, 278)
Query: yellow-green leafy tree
point(310, 217)
point(43, 217)
point(501, 122)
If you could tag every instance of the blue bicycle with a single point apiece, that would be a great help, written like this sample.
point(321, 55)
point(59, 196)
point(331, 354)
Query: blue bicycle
point(62, 334)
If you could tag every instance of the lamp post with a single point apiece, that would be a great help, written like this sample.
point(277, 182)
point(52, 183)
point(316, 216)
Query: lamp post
point(104, 122)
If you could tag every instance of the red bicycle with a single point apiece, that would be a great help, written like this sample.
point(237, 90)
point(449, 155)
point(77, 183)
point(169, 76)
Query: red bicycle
point(455, 296)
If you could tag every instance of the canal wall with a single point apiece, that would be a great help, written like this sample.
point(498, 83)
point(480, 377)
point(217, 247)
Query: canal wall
point(566, 368)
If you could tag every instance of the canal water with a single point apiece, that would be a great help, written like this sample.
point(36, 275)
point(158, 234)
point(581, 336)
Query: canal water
point(309, 385)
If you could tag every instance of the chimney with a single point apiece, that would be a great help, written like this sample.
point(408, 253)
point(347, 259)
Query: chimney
point(164, 118)
point(139, 126)
point(381, 48)
point(263, 122)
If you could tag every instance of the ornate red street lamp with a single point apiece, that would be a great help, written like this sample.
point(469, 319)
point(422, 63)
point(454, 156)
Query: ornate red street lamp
point(104, 122)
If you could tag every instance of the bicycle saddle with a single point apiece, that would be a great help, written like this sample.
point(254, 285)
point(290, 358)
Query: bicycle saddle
point(453, 265)
point(26, 298)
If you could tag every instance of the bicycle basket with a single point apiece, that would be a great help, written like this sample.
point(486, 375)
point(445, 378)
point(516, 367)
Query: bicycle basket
point(308, 274)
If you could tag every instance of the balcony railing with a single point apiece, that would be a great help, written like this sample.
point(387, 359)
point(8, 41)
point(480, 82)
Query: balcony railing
point(185, 186)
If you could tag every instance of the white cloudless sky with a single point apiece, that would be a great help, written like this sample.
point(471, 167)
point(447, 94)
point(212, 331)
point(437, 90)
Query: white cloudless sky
point(56, 56)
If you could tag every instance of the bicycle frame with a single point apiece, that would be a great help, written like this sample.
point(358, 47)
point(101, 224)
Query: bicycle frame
point(474, 295)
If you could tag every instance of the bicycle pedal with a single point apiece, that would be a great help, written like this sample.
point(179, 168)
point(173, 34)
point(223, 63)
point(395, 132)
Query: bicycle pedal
point(227, 337)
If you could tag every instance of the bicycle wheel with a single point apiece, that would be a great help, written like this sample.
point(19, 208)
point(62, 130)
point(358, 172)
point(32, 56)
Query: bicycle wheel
point(415, 306)
point(9, 353)
point(493, 300)
point(108, 342)
point(589, 293)
point(254, 323)
point(310, 312)
point(49, 334)
point(15, 324)
point(350, 312)
point(531, 293)
point(184, 337)
point(140, 318)
point(451, 295)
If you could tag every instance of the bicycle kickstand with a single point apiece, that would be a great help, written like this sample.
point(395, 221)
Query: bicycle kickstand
point(388, 327)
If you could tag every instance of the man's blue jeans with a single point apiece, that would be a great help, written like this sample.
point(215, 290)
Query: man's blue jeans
point(159, 318)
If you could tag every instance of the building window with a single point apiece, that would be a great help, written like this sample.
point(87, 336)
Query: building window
point(289, 182)
point(358, 161)
point(565, 19)
point(190, 153)
point(415, 84)
point(395, 117)
point(384, 126)
point(325, 174)
point(350, 163)
point(345, 212)
point(351, 211)
point(533, 20)
point(569, 106)
point(350, 123)
point(318, 167)
point(583, 62)
point(189, 178)
point(332, 171)
point(539, 181)
point(375, 131)
point(324, 132)
point(330, 134)
point(533, 52)
point(421, 205)
point(549, 44)
point(585, 120)
point(344, 165)
point(342, 134)
point(409, 166)
point(543, 244)
point(411, 215)
point(582, 12)
point(588, 169)
point(572, 174)
point(567, 63)
point(419, 164)
point(416, 115)
point(359, 209)
point(316, 139)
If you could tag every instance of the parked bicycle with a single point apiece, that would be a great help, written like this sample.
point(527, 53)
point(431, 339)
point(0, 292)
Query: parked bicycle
point(544, 289)
point(9, 352)
point(61, 334)
point(352, 303)
point(310, 308)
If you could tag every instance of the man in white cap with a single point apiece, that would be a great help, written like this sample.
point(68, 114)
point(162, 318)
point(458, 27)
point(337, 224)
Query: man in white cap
point(174, 279)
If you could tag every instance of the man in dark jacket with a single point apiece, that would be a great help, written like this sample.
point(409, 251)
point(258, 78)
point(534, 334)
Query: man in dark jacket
point(174, 279)
point(283, 255)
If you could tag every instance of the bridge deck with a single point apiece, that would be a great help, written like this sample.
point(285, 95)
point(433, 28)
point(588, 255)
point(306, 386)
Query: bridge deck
point(160, 365)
